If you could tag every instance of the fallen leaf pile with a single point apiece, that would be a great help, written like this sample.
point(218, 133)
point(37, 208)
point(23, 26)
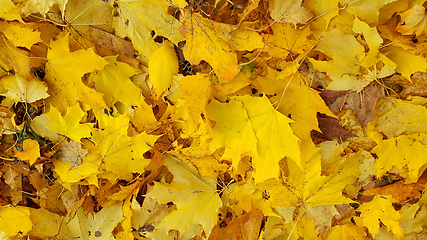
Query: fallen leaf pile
point(213, 119)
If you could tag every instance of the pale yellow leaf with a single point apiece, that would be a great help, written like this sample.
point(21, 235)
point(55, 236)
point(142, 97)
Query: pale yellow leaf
point(20, 89)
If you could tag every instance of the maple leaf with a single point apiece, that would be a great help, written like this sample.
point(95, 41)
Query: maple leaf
point(192, 105)
point(229, 131)
point(30, 151)
point(195, 197)
point(42, 7)
point(262, 127)
point(407, 63)
point(291, 40)
point(69, 125)
point(412, 218)
point(347, 231)
point(289, 11)
point(64, 71)
point(9, 11)
point(366, 10)
point(88, 225)
point(114, 83)
point(344, 68)
point(243, 227)
point(380, 209)
point(247, 126)
point(94, 12)
point(404, 152)
point(20, 89)
point(20, 35)
point(211, 40)
point(143, 118)
point(405, 117)
point(14, 220)
point(413, 21)
point(373, 40)
point(137, 19)
point(113, 145)
point(305, 185)
point(303, 104)
point(18, 60)
point(6, 123)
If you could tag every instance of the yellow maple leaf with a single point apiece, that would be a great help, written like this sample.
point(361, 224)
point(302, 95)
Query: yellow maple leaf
point(98, 225)
point(407, 63)
point(289, 11)
point(275, 137)
point(113, 145)
point(42, 6)
point(69, 125)
point(405, 117)
point(69, 175)
point(197, 93)
point(14, 220)
point(6, 123)
point(243, 39)
point(367, 10)
point(232, 124)
point(344, 69)
point(373, 40)
point(291, 40)
point(405, 152)
point(31, 151)
point(413, 218)
point(45, 223)
point(305, 185)
point(137, 19)
point(39, 123)
point(143, 118)
point(324, 10)
point(380, 209)
point(302, 104)
point(162, 66)
point(80, 14)
point(413, 21)
point(195, 197)
point(20, 89)
point(9, 11)
point(21, 35)
point(63, 75)
point(18, 60)
point(347, 231)
point(209, 41)
point(114, 82)
point(267, 134)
